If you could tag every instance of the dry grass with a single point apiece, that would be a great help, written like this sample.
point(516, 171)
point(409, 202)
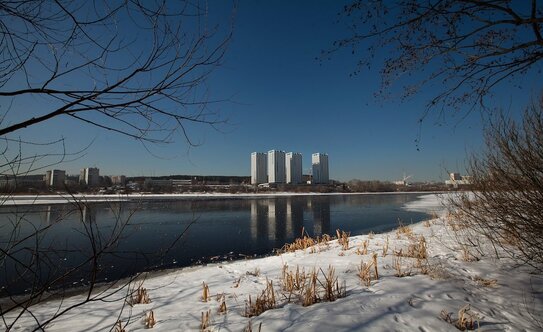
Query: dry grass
point(466, 320)
point(299, 244)
point(205, 320)
point(119, 327)
point(249, 327)
point(427, 223)
point(139, 296)
point(399, 268)
point(418, 249)
point(330, 284)
point(365, 273)
point(467, 256)
point(309, 291)
point(222, 307)
point(423, 266)
point(305, 242)
point(205, 292)
point(254, 273)
point(485, 282)
point(385, 248)
point(403, 230)
point(308, 288)
point(149, 320)
point(374, 258)
point(364, 250)
point(265, 301)
point(292, 280)
point(343, 239)
point(371, 235)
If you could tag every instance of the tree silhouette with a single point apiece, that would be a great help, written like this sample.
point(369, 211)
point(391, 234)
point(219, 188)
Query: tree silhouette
point(464, 47)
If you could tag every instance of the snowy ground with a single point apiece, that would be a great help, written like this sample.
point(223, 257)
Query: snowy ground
point(501, 297)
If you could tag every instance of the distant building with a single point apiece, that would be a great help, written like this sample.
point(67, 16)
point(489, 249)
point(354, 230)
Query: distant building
point(319, 166)
point(276, 166)
point(55, 178)
point(118, 180)
point(22, 182)
point(163, 184)
point(293, 165)
point(258, 168)
point(456, 180)
point(455, 176)
point(90, 177)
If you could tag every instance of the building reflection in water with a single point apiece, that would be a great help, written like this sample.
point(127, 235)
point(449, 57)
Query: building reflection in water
point(259, 219)
point(320, 206)
point(295, 217)
point(282, 219)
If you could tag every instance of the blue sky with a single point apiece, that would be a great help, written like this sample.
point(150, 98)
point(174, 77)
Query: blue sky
point(281, 97)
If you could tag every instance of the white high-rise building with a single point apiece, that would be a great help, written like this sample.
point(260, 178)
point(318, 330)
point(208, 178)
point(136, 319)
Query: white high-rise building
point(319, 167)
point(90, 176)
point(293, 167)
point(55, 178)
point(258, 168)
point(276, 166)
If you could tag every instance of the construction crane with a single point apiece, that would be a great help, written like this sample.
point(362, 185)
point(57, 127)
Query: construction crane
point(403, 182)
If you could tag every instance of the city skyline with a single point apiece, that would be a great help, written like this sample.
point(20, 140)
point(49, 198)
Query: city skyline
point(271, 72)
point(280, 167)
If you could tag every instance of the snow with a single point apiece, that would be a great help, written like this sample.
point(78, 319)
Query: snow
point(97, 198)
point(512, 300)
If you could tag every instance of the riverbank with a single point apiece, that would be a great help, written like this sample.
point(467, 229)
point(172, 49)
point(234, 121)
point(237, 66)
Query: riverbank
point(423, 281)
point(105, 198)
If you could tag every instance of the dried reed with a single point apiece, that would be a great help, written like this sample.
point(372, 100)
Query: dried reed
point(385, 248)
point(205, 320)
point(398, 267)
point(265, 301)
point(249, 327)
point(149, 320)
point(139, 296)
point(222, 306)
point(343, 239)
point(119, 327)
point(205, 292)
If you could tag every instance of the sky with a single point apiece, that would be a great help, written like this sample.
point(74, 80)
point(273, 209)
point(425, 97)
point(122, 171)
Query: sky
point(277, 95)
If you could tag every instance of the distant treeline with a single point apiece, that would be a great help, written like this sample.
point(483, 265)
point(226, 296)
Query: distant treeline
point(197, 179)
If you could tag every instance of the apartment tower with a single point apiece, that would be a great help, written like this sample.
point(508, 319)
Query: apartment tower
point(319, 167)
point(293, 167)
point(55, 178)
point(258, 168)
point(276, 166)
point(90, 177)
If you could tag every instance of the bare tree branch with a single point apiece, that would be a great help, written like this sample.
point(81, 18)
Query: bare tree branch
point(96, 66)
point(466, 47)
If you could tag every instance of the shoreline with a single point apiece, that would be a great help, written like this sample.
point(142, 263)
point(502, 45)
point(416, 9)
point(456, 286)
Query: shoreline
point(409, 293)
point(21, 200)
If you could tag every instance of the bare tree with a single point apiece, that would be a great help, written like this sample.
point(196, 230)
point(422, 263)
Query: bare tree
point(137, 68)
point(506, 200)
point(464, 47)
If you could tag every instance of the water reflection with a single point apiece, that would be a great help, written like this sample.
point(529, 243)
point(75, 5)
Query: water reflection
point(215, 227)
point(280, 220)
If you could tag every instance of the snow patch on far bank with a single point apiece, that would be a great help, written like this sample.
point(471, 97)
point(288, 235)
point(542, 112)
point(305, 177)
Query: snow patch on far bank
point(432, 204)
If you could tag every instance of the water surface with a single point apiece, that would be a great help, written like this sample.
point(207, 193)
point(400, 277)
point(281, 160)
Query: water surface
point(144, 235)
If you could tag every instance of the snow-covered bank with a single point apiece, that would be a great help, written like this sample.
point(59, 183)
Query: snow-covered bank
point(500, 296)
point(431, 204)
point(93, 198)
